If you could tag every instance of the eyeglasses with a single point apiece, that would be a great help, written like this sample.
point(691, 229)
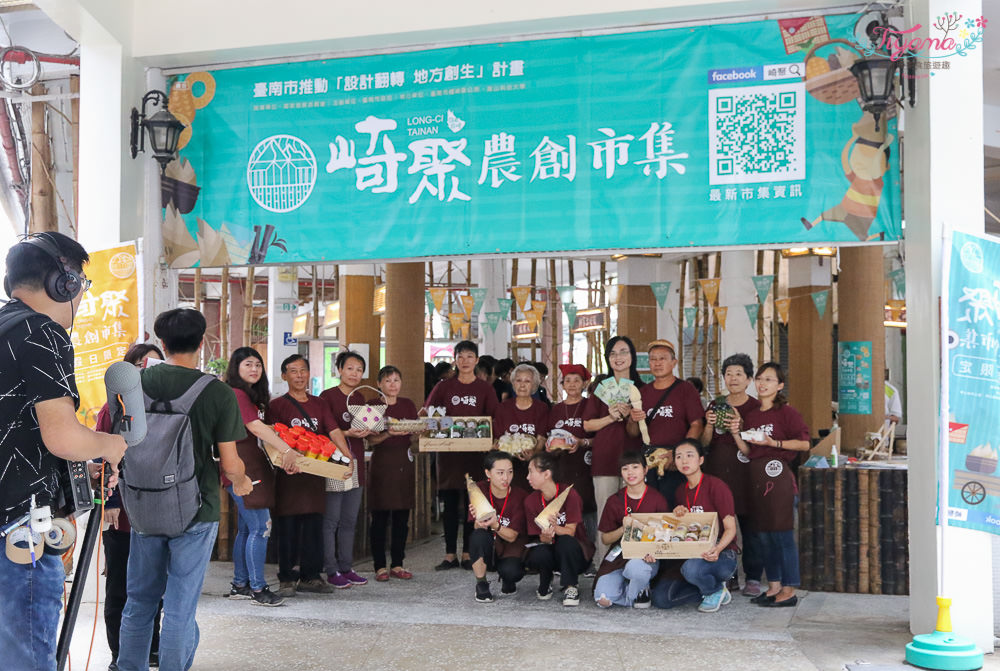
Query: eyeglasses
point(87, 283)
point(620, 354)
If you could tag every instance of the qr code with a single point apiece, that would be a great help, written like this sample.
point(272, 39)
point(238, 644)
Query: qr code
point(757, 134)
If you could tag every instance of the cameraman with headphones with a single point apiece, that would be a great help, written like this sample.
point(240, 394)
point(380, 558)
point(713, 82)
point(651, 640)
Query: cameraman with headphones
point(38, 402)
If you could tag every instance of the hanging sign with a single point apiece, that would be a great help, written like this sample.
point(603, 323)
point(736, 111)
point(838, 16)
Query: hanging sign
point(430, 303)
point(591, 319)
point(479, 296)
point(720, 316)
point(820, 299)
point(571, 311)
point(456, 319)
point(763, 285)
point(854, 378)
point(504, 304)
point(898, 278)
point(493, 319)
point(690, 314)
point(438, 295)
point(660, 290)
point(521, 295)
point(468, 302)
point(783, 305)
point(566, 293)
point(531, 145)
point(711, 289)
point(753, 311)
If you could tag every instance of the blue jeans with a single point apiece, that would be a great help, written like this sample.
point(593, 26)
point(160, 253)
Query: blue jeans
point(710, 576)
point(172, 569)
point(250, 547)
point(668, 593)
point(623, 586)
point(29, 619)
point(781, 557)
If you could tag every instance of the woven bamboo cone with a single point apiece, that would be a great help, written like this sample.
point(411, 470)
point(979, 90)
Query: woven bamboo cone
point(636, 398)
point(863, 565)
point(838, 530)
point(478, 500)
point(875, 572)
point(555, 505)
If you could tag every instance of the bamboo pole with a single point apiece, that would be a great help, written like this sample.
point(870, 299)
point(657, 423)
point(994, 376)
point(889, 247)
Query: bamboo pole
point(554, 311)
point(315, 300)
point(74, 113)
point(718, 330)
point(760, 313)
point(680, 318)
point(43, 197)
point(775, 323)
point(531, 299)
point(248, 306)
point(603, 300)
point(197, 307)
point(513, 346)
point(224, 316)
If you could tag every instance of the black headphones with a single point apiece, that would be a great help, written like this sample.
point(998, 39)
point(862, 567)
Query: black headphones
point(63, 284)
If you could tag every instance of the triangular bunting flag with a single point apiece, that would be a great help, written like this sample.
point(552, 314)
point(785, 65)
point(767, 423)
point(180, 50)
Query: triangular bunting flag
point(521, 295)
point(570, 309)
point(438, 295)
point(689, 315)
point(783, 304)
point(538, 306)
point(430, 303)
point(753, 310)
point(711, 289)
point(479, 295)
point(493, 320)
point(503, 304)
point(720, 316)
point(464, 330)
point(898, 277)
point(763, 285)
point(566, 294)
point(455, 319)
point(467, 303)
point(820, 299)
point(537, 311)
point(660, 290)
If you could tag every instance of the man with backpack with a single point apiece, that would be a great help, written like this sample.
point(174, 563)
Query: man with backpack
point(170, 487)
point(41, 432)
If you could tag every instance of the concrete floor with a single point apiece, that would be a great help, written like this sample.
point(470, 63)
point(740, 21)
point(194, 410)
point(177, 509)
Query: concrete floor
point(432, 622)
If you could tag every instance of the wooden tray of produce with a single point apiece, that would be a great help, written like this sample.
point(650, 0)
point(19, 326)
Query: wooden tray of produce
point(324, 469)
point(675, 549)
point(441, 435)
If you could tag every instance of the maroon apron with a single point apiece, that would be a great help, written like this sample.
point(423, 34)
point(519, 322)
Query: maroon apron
point(391, 484)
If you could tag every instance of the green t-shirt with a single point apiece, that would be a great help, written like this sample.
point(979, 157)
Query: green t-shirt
point(215, 418)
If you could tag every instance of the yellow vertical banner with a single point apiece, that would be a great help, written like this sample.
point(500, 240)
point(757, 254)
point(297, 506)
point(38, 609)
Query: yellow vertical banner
point(711, 289)
point(720, 316)
point(455, 319)
point(438, 295)
point(467, 303)
point(521, 295)
point(106, 324)
point(783, 304)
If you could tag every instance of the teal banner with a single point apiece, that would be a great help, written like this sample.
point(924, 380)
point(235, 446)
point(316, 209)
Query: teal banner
point(493, 319)
point(690, 314)
point(855, 378)
point(753, 311)
point(898, 278)
point(660, 290)
point(566, 293)
point(762, 283)
point(973, 379)
point(504, 306)
point(693, 136)
point(820, 299)
point(430, 303)
point(479, 296)
point(571, 310)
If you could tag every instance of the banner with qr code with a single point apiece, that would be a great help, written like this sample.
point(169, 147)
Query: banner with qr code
point(736, 134)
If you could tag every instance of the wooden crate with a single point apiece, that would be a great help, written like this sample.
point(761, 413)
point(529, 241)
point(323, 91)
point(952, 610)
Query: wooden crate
point(323, 469)
point(429, 444)
point(677, 549)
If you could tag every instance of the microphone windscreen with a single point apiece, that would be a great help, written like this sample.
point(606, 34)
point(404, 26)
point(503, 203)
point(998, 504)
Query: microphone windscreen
point(122, 380)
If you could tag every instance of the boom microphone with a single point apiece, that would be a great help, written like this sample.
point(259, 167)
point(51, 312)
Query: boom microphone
point(125, 400)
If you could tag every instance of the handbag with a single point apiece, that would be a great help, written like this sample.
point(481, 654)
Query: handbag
point(333, 485)
point(368, 417)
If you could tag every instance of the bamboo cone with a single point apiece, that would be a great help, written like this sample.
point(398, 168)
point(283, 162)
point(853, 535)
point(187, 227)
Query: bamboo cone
point(636, 398)
point(478, 500)
point(553, 508)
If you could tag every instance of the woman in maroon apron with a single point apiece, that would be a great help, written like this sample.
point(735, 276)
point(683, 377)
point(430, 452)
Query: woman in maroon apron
point(573, 464)
point(391, 485)
point(776, 434)
point(523, 415)
point(725, 461)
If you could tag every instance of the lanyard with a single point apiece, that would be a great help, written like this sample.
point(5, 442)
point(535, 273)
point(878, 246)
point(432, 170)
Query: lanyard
point(696, 490)
point(502, 508)
point(542, 496)
point(628, 511)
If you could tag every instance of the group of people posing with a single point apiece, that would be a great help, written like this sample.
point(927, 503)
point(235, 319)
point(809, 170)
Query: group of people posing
point(702, 463)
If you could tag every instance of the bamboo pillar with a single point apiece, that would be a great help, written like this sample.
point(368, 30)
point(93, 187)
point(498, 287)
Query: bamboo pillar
point(198, 307)
point(555, 332)
point(315, 300)
point(760, 313)
point(680, 319)
point(358, 324)
point(74, 112)
point(248, 307)
point(810, 343)
point(775, 323)
point(224, 315)
point(43, 197)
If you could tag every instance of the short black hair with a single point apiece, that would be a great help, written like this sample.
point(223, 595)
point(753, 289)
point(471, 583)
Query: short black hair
point(493, 456)
point(696, 444)
point(386, 371)
point(741, 360)
point(28, 265)
point(503, 366)
point(490, 361)
point(631, 457)
point(544, 461)
point(542, 369)
point(342, 358)
point(440, 368)
point(289, 360)
point(181, 330)
point(697, 383)
point(466, 346)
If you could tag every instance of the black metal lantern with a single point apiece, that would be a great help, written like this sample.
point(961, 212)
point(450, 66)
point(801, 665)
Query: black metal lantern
point(163, 128)
point(876, 82)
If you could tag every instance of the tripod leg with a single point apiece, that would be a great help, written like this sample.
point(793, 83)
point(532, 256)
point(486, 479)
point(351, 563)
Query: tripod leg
point(76, 594)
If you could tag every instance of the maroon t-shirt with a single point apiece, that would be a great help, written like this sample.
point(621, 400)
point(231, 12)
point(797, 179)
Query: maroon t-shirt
point(725, 461)
point(257, 465)
point(784, 423)
point(302, 493)
point(532, 422)
point(570, 513)
point(669, 423)
point(574, 467)
point(510, 512)
point(610, 442)
point(710, 496)
point(475, 399)
point(651, 501)
point(337, 400)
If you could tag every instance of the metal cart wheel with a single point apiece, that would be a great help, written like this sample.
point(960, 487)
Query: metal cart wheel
point(973, 493)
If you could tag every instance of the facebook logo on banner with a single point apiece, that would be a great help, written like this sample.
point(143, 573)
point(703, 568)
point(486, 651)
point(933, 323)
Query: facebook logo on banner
point(735, 75)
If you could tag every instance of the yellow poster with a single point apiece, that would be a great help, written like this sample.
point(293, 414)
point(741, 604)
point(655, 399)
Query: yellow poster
point(711, 289)
point(720, 316)
point(783, 304)
point(467, 303)
point(106, 324)
point(521, 295)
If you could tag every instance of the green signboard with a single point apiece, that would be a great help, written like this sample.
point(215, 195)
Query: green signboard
point(695, 136)
point(854, 384)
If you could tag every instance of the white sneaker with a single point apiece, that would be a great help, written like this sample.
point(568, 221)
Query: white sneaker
point(572, 596)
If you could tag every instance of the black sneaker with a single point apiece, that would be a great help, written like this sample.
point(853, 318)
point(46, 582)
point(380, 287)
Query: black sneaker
point(154, 659)
point(642, 600)
point(266, 597)
point(446, 565)
point(571, 597)
point(483, 593)
point(508, 588)
point(240, 592)
point(544, 596)
point(466, 564)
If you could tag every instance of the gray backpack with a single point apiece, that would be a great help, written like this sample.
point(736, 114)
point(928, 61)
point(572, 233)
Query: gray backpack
point(158, 483)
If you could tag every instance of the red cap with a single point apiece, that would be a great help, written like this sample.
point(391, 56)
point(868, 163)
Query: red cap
point(574, 369)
